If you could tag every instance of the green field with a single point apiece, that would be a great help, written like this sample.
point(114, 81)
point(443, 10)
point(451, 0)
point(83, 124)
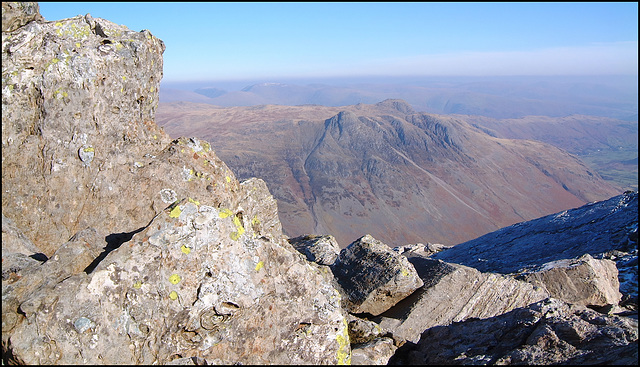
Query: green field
point(619, 167)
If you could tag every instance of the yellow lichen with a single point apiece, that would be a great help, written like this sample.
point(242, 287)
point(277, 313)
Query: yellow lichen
point(87, 149)
point(228, 179)
point(174, 279)
point(173, 295)
point(344, 347)
point(194, 201)
point(185, 249)
point(259, 265)
point(223, 213)
point(137, 285)
point(404, 272)
point(175, 212)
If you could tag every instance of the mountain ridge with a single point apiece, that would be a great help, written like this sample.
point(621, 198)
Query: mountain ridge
point(384, 165)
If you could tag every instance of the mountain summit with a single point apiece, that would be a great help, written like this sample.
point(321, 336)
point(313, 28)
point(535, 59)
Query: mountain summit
point(385, 169)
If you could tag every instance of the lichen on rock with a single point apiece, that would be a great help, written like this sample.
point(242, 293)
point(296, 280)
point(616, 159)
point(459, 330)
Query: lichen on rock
point(153, 272)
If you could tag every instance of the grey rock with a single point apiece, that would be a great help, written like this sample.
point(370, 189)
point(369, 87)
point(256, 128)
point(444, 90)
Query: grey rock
point(323, 250)
point(595, 228)
point(453, 293)
point(156, 253)
point(17, 14)
point(585, 281)
point(363, 330)
point(547, 332)
point(605, 229)
point(77, 108)
point(375, 352)
point(373, 276)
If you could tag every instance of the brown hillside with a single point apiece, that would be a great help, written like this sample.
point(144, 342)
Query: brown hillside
point(383, 169)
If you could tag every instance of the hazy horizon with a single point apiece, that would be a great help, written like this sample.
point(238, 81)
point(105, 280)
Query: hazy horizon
point(278, 41)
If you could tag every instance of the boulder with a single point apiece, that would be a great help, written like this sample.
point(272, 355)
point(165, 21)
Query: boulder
point(375, 352)
point(322, 250)
point(155, 253)
point(546, 332)
point(373, 276)
point(78, 102)
point(585, 281)
point(453, 293)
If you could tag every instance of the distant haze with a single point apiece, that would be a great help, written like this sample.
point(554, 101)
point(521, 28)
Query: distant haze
point(231, 41)
point(496, 96)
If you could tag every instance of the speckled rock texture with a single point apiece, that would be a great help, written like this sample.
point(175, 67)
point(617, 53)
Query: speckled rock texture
point(453, 293)
point(126, 246)
point(547, 332)
point(584, 281)
point(373, 276)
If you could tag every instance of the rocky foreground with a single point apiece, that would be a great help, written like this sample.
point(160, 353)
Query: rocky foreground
point(123, 246)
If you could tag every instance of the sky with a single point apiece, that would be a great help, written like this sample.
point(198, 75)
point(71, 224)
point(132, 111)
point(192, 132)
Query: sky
point(244, 40)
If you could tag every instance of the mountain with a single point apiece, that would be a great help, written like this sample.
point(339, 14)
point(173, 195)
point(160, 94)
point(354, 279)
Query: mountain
point(121, 245)
point(387, 170)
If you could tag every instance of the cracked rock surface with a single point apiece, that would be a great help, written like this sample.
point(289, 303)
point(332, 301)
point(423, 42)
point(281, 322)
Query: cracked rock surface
point(126, 246)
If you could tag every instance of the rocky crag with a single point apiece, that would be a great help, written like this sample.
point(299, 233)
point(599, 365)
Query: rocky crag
point(123, 246)
point(154, 251)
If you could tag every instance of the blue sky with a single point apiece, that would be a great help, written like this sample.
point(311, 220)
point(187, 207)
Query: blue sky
point(227, 41)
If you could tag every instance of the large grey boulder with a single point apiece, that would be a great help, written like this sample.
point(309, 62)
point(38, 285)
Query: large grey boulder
point(373, 276)
point(585, 281)
point(155, 253)
point(78, 101)
point(453, 293)
point(547, 332)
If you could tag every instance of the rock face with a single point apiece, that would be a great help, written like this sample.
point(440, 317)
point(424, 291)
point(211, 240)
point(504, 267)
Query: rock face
point(584, 281)
point(452, 293)
point(127, 247)
point(604, 229)
point(374, 277)
point(547, 332)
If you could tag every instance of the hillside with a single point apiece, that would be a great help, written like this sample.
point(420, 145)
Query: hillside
point(388, 170)
point(609, 146)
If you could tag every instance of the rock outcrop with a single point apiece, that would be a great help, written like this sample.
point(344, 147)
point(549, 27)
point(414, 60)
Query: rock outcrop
point(453, 293)
point(606, 229)
point(584, 281)
point(125, 246)
point(547, 332)
point(323, 250)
